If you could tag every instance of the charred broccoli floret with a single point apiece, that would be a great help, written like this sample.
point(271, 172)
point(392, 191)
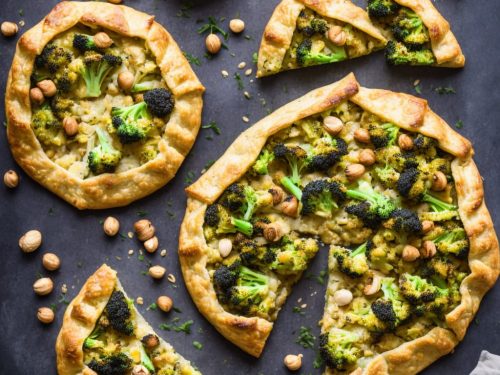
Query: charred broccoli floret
point(295, 156)
point(392, 309)
point(84, 43)
point(261, 164)
point(383, 135)
point(321, 197)
point(404, 220)
point(382, 8)
point(218, 217)
point(233, 197)
point(409, 29)
point(362, 315)
point(254, 200)
point(453, 242)
point(388, 176)
point(253, 254)
point(53, 58)
point(46, 126)
point(352, 262)
point(95, 69)
point(114, 364)
point(438, 266)
point(61, 106)
point(132, 123)
point(446, 297)
point(119, 313)
point(309, 25)
point(338, 350)
point(103, 158)
point(416, 290)
point(160, 102)
point(92, 341)
point(326, 151)
point(64, 79)
point(307, 56)
point(396, 53)
point(411, 183)
point(293, 256)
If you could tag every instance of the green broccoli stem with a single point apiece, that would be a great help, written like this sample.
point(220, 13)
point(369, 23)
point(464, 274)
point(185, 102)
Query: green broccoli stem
point(438, 205)
point(143, 86)
point(359, 250)
point(90, 343)
point(104, 140)
point(146, 361)
point(291, 187)
point(242, 226)
point(252, 278)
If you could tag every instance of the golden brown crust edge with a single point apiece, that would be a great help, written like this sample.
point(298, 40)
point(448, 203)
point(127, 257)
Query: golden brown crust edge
point(107, 190)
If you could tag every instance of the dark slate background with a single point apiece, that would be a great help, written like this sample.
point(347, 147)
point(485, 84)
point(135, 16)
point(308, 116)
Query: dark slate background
point(27, 347)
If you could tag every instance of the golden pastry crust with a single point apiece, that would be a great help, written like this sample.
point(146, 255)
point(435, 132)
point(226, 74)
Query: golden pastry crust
point(444, 44)
point(407, 112)
point(279, 30)
point(107, 190)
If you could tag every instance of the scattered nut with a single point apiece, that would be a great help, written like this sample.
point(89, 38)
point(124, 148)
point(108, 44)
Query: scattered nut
point(139, 301)
point(164, 303)
point(51, 261)
point(171, 278)
point(224, 73)
point(43, 286)
point(361, 135)
point(439, 181)
point(367, 157)
point(290, 206)
point(428, 249)
point(213, 43)
point(36, 96)
point(64, 289)
point(374, 287)
point(45, 315)
point(11, 179)
point(144, 229)
point(342, 297)
point(48, 88)
point(150, 341)
point(333, 125)
point(242, 65)
point(9, 28)
point(225, 247)
point(410, 253)
point(102, 40)
point(163, 253)
point(139, 369)
point(354, 171)
point(337, 36)
point(151, 245)
point(111, 226)
point(236, 25)
point(157, 272)
point(126, 80)
point(278, 195)
point(30, 241)
point(427, 226)
point(245, 118)
point(273, 232)
point(405, 142)
point(293, 362)
point(70, 126)
point(248, 72)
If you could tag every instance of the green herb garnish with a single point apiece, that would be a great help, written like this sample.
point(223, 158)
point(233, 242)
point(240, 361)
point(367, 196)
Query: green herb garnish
point(306, 338)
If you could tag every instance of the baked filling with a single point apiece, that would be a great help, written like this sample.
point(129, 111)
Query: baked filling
point(119, 345)
point(110, 107)
point(382, 197)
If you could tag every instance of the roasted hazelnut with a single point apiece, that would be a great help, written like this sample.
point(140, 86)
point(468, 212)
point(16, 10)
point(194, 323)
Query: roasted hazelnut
point(367, 157)
point(111, 226)
point(150, 341)
point(293, 362)
point(36, 96)
point(140, 369)
point(273, 232)
point(439, 181)
point(45, 315)
point(48, 88)
point(354, 171)
point(342, 297)
point(410, 253)
point(428, 249)
point(151, 245)
point(144, 229)
point(157, 272)
point(9, 28)
point(51, 261)
point(278, 195)
point(102, 40)
point(337, 36)
point(126, 80)
point(164, 303)
point(213, 43)
point(236, 25)
point(43, 286)
point(70, 126)
point(374, 286)
point(11, 179)
point(225, 247)
point(405, 142)
point(30, 241)
point(427, 226)
point(290, 206)
point(361, 135)
point(333, 125)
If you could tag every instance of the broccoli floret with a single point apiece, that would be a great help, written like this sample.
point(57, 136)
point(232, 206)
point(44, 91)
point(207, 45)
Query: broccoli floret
point(46, 126)
point(253, 254)
point(95, 69)
point(382, 8)
point(381, 257)
point(217, 216)
point(253, 201)
point(132, 123)
point(392, 309)
point(160, 102)
point(438, 266)
point(338, 350)
point(453, 242)
point(233, 198)
point(446, 297)
point(306, 57)
point(84, 43)
point(53, 58)
point(325, 153)
point(416, 290)
point(383, 135)
point(119, 313)
point(362, 315)
point(92, 341)
point(64, 79)
point(437, 205)
point(295, 156)
point(388, 176)
point(261, 164)
point(396, 53)
point(374, 208)
point(321, 197)
point(115, 364)
point(293, 256)
point(212, 215)
point(352, 262)
point(146, 361)
point(411, 183)
point(308, 24)
point(103, 158)
point(288, 184)
point(61, 106)
point(409, 29)
point(404, 220)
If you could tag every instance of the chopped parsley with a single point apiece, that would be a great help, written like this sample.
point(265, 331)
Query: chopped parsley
point(255, 57)
point(459, 124)
point(184, 10)
point(306, 338)
point(212, 27)
point(198, 345)
point(142, 213)
point(298, 310)
point(418, 88)
point(184, 327)
point(212, 125)
point(190, 176)
point(239, 81)
point(192, 59)
point(318, 361)
point(153, 306)
point(445, 90)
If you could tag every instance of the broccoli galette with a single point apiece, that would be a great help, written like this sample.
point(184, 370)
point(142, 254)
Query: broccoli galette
point(302, 33)
point(384, 181)
point(102, 106)
point(103, 334)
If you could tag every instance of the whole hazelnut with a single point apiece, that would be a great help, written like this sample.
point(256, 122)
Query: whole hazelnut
point(333, 125)
point(273, 232)
point(213, 43)
point(439, 181)
point(164, 303)
point(225, 247)
point(278, 195)
point(290, 206)
point(151, 245)
point(157, 272)
point(337, 36)
point(45, 315)
point(48, 87)
point(43, 286)
point(30, 241)
point(51, 261)
point(236, 25)
point(410, 253)
point(9, 28)
point(342, 297)
point(126, 80)
point(405, 142)
point(367, 157)
point(36, 96)
point(139, 369)
point(354, 171)
point(11, 179)
point(427, 226)
point(102, 40)
point(428, 249)
point(362, 135)
point(144, 229)
point(293, 362)
point(70, 126)
point(111, 226)
point(150, 341)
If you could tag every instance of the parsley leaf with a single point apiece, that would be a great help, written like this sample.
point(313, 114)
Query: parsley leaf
point(306, 338)
point(212, 125)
